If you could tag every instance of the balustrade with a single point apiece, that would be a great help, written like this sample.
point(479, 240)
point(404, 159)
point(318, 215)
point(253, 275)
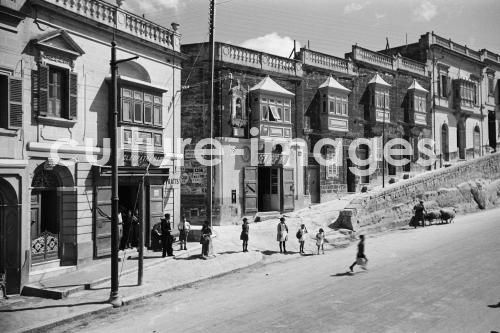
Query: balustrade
point(242, 56)
point(105, 13)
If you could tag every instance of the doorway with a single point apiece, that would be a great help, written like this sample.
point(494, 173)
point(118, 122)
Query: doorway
point(45, 217)
point(492, 129)
point(351, 178)
point(269, 189)
point(445, 153)
point(10, 237)
point(314, 183)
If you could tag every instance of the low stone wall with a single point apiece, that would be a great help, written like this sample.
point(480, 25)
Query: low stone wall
point(466, 186)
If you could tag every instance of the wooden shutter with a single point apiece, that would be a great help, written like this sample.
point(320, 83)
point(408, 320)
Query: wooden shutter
point(73, 95)
point(15, 103)
point(43, 90)
point(288, 190)
point(35, 98)
point(448, 87)
point(102, 220)
point(250, 190)
point(4, 101)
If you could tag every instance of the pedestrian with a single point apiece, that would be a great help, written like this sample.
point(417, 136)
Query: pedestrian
point(206, 241)
point(282, 234)
point(3, 283)
point(245, 228)
point(126, 223)
point(301, 233)
point(320, 239)
point(156, 244)
point(361, 259)
point(134, 228)
point(419, 210)
point(184, 228)
point(166, 237)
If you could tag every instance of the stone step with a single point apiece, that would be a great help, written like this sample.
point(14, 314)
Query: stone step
point(264, 216)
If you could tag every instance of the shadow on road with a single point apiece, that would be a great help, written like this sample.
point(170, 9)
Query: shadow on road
point(343, 274)
point(269, 252)
point(494, 306)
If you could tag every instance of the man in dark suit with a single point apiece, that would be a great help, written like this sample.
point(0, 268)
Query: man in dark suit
point(166, 237)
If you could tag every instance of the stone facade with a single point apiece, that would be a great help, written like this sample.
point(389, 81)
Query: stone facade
point(54, 73)
point(465, 96)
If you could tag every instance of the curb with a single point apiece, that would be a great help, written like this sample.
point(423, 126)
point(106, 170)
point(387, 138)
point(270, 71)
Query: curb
point(126, 301)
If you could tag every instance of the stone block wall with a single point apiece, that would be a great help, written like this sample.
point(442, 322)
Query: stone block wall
point(466, 186)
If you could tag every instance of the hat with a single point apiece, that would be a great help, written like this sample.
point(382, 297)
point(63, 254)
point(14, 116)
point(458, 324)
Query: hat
point(245, 219)
point(167, 215)
point(282, 219)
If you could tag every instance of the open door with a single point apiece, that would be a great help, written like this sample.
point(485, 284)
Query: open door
point(67, 238)
point(250, 190)
point(155, 211)
point(288, 202)
point(102, 218)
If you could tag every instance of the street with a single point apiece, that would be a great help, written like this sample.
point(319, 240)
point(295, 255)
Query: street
point(443, 278)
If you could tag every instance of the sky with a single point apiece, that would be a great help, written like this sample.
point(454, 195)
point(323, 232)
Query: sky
point(328, 26)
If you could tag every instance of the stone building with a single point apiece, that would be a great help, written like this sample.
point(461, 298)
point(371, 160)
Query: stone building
point(54, 117)
point(365, 95)
point(464, 93)
point(255, 100)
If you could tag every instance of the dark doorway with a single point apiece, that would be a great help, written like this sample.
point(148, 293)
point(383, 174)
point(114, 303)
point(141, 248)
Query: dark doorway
point(461, 139)
point(492, 129)
point(314, 183)
point(269, 189)
point(351, 178)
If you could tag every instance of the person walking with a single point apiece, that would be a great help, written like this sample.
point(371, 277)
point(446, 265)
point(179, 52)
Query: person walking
point(361, 259)
point(282, 234)
point(184, 228)
point(166, 237)
point(3, 283)
point(301, 234)
point(134, 228)
point(320, 239)
point(206, 241)
point(419, 210)
point(126, 223)
point(245, 228)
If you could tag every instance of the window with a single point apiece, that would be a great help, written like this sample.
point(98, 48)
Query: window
point(277, 110)
point(140, 107)
point(491, 85)
point(338, 105)
point(419, 104)
point(11, 102)
point(331, 167)
point(55, 92)
point(468, 93)
point(443, 85)
point(382, 100)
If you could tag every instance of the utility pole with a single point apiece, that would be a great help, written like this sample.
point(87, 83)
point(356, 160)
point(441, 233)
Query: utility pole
point(211, 24)
point(383, 146)
point(114, 297)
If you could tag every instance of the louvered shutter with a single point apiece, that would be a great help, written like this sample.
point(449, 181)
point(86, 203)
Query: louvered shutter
point(43, 90)
point(35, 98)
point(15, 103)
point(448, 87)
point(73, 95)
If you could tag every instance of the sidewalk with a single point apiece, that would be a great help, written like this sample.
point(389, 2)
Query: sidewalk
point(20, 313)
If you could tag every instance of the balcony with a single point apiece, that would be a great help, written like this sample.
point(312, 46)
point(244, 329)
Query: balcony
point(419, 118)
point(382, 116)
point(256, 59)
point(272, 159)
point(101, 12)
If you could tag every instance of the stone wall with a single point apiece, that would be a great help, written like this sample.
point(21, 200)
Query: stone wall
point(466, 186)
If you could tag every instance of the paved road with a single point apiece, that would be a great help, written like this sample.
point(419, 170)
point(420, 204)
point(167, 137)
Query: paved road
point(434, 279)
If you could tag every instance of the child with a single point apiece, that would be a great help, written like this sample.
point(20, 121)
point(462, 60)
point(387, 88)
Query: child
point(3, 281)
point(320, 238)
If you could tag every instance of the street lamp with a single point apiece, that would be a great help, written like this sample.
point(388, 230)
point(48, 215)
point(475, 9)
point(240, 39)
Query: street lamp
point(114, 297)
